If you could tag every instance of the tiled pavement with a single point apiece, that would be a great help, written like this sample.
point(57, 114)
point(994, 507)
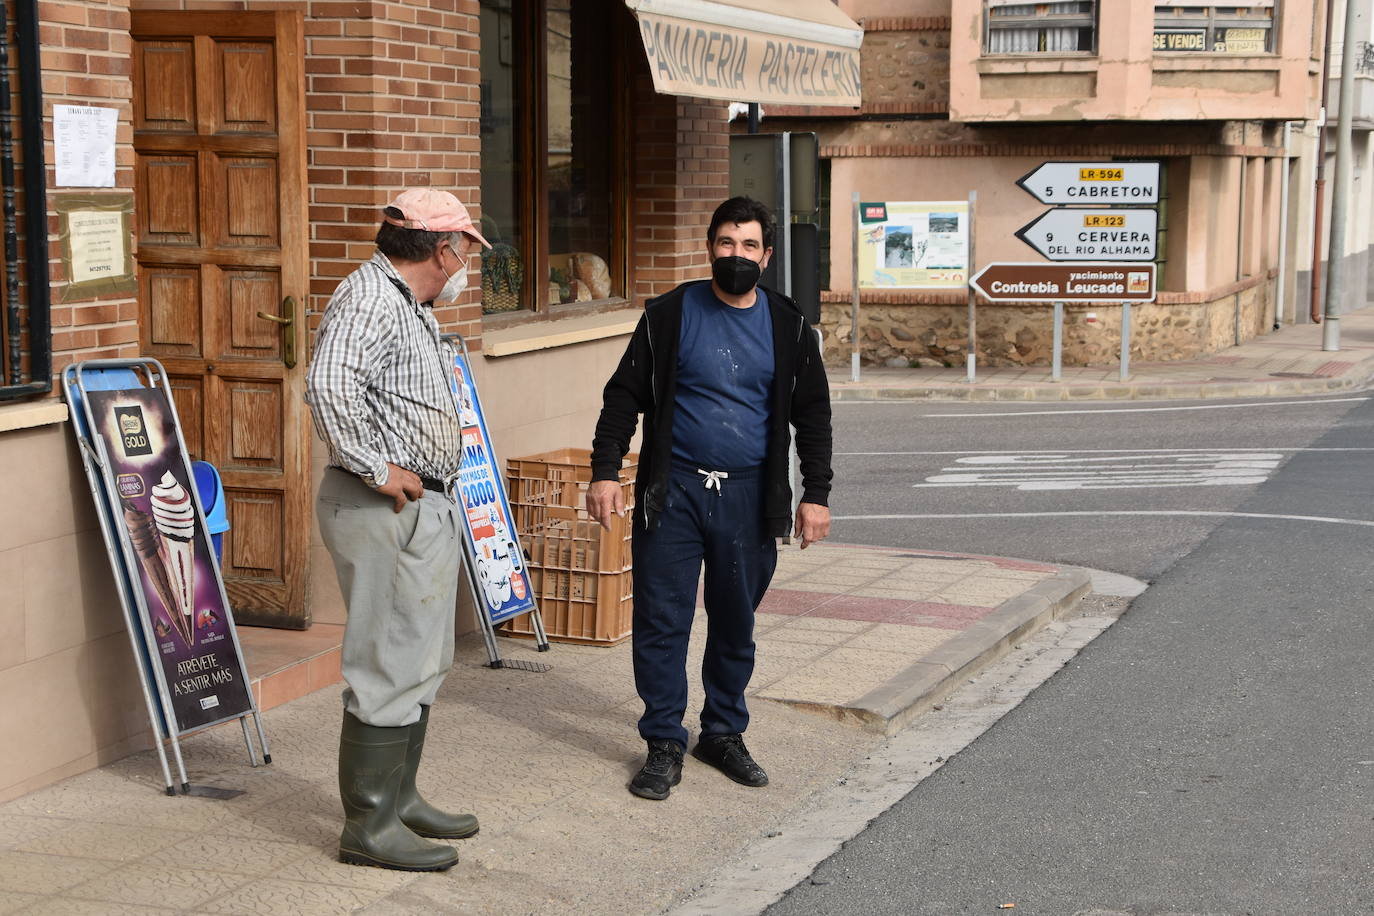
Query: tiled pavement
point(1287, 362)
point(852, 641)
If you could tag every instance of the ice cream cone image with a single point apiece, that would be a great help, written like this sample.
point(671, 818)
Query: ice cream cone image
point(148, 546)
point(175, 518)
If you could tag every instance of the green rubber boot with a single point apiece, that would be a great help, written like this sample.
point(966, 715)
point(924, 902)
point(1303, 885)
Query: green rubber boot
point(419, 815)
point(372, 763)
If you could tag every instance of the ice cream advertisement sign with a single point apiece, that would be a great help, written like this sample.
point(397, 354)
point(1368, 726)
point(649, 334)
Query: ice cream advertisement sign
point(182, 601)
point(496, 559)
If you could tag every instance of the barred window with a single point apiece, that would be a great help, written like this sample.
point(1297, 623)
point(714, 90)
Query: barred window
point(1017, 27)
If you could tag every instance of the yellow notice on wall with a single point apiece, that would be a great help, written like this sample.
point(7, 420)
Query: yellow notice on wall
point(99, 245)
point(96, 250)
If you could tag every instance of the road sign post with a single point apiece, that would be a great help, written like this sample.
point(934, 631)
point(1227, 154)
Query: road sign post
point(1125, 372)
point(1057, 354)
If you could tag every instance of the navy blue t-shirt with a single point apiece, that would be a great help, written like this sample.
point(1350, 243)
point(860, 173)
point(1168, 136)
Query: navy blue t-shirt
point(724, 381)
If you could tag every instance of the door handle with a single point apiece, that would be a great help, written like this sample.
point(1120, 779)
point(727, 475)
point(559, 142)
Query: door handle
point(288, 330)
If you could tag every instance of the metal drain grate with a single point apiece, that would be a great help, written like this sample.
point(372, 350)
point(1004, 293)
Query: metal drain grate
point(1294, 375)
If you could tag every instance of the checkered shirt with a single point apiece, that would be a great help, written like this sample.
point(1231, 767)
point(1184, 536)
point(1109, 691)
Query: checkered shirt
point(379, 380)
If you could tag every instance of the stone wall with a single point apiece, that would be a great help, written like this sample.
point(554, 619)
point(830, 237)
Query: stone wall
point(1023, 335)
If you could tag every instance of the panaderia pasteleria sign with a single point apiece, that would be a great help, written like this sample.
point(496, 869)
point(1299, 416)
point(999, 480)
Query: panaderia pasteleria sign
point(708, 60)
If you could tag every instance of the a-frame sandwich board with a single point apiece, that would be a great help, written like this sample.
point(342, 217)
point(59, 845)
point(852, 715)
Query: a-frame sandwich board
point(497, 572)
point(180, 625)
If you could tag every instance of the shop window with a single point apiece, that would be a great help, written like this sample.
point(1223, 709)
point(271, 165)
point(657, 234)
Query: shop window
point(552, 139)
point(1017, 27)
point(1244, 28)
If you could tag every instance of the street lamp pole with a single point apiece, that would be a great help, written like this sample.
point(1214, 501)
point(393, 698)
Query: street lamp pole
point(1340, 194)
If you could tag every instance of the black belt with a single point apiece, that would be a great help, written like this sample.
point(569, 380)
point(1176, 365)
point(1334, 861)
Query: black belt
point(429, 483)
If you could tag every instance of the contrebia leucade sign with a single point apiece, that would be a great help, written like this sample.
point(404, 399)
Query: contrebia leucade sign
point(707, 61)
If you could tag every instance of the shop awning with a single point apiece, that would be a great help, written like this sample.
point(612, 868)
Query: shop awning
point(783, 52)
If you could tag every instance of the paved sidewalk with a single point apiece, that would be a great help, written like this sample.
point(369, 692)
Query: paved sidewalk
point(853, 641)
point(1286, 362)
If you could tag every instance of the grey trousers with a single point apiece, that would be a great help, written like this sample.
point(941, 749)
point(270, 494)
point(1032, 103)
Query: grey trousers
point(399, 577)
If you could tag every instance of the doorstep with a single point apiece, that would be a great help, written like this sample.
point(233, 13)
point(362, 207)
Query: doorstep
point(286, 664)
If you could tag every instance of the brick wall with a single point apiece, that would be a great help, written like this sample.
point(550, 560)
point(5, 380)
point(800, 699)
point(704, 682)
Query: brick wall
point(681, 155)
point(392, 102)
point(85, 56)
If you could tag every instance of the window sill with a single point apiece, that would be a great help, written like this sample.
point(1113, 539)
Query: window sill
point(546, 335)
point(28, 416)
point(1205, 60)
point(1054, 62)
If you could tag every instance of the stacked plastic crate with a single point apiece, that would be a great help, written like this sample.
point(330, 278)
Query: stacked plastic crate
point(580, 572)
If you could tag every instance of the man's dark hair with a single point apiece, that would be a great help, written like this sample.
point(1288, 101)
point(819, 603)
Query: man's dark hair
point(409, 244)
point(744, 210)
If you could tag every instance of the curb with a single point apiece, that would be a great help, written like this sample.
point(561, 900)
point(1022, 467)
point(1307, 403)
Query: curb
point(890, 708)
point(1128, 391)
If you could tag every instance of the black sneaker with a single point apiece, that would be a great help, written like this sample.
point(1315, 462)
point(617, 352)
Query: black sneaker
point(661, 771)
point(728, 754)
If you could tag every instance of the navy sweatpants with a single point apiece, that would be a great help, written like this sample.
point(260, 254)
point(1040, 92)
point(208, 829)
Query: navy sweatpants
point(724, 529)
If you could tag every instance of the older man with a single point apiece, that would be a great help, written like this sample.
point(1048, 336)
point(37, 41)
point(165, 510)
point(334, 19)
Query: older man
point(721, 369)
point(381, 398)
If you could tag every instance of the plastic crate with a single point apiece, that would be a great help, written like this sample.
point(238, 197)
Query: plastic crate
point(580, 572)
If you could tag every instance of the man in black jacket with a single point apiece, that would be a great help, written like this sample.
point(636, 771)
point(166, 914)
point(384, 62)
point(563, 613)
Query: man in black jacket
point(720, 369)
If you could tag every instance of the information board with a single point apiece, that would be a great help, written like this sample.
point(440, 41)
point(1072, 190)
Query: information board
point(913, 244)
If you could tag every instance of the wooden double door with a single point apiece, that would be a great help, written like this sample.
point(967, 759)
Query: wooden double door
point(223, 267)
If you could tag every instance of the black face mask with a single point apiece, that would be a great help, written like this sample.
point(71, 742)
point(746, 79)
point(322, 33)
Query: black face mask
point(735, 275)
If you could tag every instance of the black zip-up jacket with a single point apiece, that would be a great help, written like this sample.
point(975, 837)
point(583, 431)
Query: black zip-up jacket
point(646, 382)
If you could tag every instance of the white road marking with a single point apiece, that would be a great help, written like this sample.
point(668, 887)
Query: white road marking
point(1321, 519)
point(1061, 471)
point(1042, 413)
point(1108, 451)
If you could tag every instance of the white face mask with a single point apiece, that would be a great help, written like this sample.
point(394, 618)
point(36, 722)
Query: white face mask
point(455, 285)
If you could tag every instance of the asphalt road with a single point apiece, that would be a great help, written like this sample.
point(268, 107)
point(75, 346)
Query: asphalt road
point(1213, 752)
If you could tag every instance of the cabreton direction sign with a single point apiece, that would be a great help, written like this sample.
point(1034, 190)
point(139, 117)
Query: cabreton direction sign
point(1081, 234)
point(1094, 183)
point(1035, 281)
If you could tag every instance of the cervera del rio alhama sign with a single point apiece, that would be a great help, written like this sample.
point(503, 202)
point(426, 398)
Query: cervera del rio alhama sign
point(693, 59)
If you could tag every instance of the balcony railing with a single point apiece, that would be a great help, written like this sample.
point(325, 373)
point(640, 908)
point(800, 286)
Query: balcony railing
point(1364, 57)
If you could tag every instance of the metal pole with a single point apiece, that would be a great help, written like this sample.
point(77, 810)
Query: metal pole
point(1125, 341)
point(1319, 183)
point(753, 122)
point(854, 305)
point(972, 296)
point(1283, 227)
point(1057, 361)
point(1240, 242)
point(786, 215)
point(1340, 193)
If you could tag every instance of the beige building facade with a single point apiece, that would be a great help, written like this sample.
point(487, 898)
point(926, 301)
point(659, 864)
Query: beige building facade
point(971, 95)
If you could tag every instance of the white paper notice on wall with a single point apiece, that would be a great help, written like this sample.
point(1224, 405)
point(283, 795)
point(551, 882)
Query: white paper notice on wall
point(84, 145)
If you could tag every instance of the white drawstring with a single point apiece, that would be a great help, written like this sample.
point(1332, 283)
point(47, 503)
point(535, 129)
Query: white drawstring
point(713, 479)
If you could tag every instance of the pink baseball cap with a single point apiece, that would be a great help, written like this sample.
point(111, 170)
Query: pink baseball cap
point(433, 211)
